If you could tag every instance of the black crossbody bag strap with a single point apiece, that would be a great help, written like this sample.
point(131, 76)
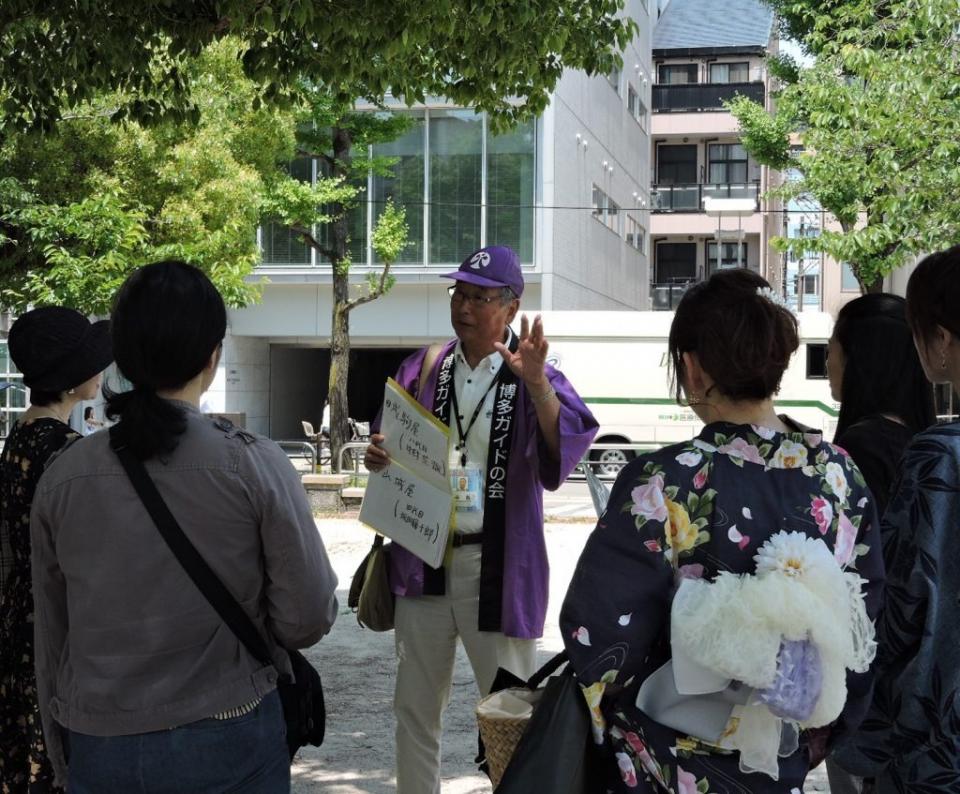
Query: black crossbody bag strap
point(187, 555)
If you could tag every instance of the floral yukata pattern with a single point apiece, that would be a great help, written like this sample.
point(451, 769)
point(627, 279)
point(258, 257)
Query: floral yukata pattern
point(693, 510)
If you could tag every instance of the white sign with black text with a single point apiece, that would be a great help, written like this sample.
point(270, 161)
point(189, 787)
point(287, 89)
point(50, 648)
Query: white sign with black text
point(410, 500)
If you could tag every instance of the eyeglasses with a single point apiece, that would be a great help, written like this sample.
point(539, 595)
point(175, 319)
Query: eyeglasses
point(476, 301)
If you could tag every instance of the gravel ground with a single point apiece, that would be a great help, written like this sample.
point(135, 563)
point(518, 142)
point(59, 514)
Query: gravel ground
point(358, 673)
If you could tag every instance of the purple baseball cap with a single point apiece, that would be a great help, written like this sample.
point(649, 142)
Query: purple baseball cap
point(493, 266)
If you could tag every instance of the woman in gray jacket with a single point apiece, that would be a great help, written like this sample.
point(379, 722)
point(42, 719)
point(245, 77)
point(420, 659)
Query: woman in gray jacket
point(150, 689)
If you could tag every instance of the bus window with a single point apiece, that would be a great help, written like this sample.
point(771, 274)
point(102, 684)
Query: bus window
point(816, 361)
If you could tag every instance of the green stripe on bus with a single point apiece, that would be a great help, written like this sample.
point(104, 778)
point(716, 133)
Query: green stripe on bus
point(828, 410)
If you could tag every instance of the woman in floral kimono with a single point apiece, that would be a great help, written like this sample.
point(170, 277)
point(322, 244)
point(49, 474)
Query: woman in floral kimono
point(700, 511)
point(910, 741)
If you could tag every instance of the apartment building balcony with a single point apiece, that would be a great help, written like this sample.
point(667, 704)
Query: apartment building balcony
point(681, 259)
point(675, 126)
point(690, 198)
point(665, 295)
point(702, 97)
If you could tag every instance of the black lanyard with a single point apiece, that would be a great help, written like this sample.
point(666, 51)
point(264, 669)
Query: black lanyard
point(462, 446)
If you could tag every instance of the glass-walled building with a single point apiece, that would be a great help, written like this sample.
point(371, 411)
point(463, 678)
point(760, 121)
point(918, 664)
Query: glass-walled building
point(461, 185)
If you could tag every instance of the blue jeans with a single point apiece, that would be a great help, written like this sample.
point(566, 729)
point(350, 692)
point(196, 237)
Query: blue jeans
point(247, 755)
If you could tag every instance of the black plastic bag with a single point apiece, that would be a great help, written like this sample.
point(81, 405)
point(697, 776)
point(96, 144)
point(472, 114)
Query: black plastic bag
point(554, 755)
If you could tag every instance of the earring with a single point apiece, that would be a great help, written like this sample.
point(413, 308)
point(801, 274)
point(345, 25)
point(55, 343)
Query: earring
point(71, 391)
point(692, 400)
point(943, 361)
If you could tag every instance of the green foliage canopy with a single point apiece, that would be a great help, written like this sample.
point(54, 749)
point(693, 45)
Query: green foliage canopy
point(502, 56)
point(82, 207)
point(879, 118)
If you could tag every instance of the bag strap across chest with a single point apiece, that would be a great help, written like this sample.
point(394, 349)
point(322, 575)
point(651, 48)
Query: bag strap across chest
point(202, 575)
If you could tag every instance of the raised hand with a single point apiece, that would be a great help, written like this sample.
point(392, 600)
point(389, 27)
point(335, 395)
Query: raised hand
point(531, 356)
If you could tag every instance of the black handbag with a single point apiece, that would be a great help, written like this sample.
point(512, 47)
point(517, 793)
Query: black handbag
point(555, 753)
point(301, 695)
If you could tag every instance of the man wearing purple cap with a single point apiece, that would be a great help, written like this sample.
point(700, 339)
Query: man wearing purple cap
point(517, 427)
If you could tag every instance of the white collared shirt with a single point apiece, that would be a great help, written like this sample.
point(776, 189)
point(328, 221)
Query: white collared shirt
point(471, 384)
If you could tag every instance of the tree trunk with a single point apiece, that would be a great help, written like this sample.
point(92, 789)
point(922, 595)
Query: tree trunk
point(866, 287)
point(340, 325)
point(339, 372)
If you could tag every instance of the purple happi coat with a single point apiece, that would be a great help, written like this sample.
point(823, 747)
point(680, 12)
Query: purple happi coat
point(524, 570)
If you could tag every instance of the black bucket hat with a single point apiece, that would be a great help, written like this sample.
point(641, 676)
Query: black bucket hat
point(57, 349)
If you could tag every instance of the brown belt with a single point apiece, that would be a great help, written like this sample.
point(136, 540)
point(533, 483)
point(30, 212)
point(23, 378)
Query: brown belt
point(466, 538)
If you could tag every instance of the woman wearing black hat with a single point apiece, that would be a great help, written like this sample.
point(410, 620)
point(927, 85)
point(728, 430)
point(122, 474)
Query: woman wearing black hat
point(61, 355)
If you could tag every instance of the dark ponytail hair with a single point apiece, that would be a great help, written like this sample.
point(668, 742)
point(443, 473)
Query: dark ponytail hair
point(743, 339)
point(882, 373)
point(167, 321)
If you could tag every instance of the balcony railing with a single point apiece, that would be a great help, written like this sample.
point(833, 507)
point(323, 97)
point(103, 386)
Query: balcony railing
point(665, 295)
point(689, 198)
point(695, 97)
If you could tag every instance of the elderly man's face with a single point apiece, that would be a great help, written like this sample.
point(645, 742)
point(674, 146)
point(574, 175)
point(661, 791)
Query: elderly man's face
point(480, 316)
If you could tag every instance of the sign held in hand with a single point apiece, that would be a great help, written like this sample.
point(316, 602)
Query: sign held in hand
point(410, 500)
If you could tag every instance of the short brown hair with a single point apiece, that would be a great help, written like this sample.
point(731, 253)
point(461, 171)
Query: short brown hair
point(933, 294)
point(743, 339)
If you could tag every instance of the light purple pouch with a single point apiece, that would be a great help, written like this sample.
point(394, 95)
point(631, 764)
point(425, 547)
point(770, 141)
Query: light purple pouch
point(799, 680)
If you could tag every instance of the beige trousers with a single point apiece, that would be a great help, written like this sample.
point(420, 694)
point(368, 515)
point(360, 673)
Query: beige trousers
point(426, 632)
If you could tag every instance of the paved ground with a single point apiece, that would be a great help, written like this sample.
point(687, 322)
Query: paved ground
point(358, 669)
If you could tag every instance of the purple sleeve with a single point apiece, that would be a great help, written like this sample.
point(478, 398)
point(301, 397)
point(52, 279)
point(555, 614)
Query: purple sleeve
point(577, 431)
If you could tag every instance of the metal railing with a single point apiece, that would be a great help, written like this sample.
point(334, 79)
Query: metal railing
point(300, 449)
point(355, 448)
point(695, 97)
point(690, 198)
point(665, 295)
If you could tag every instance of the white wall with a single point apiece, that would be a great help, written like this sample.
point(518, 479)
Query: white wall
point(588, 266)
point(242, 383)
point(410, 314)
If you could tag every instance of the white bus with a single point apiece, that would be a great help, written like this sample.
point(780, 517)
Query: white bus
point(617, 361)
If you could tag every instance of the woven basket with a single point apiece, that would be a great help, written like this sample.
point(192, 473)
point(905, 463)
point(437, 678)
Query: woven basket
point(501, 732)
point(500, 738)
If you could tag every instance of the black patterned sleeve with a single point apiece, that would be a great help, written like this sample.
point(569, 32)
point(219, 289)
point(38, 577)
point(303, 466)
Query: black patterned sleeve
point(618, 602)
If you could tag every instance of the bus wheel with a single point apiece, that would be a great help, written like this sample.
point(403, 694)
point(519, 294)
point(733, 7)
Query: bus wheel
point(607, 463)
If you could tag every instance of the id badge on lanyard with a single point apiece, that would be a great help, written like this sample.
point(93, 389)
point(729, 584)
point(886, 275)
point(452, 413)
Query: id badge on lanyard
point(466, 480)
point(467, 485)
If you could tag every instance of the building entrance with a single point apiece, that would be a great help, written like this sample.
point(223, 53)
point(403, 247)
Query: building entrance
point(299, 378)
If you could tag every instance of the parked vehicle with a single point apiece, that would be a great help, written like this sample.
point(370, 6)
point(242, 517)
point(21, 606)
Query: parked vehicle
point(618, 362)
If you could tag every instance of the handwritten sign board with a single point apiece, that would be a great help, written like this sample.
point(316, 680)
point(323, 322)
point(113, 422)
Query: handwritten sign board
point(410, 500)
